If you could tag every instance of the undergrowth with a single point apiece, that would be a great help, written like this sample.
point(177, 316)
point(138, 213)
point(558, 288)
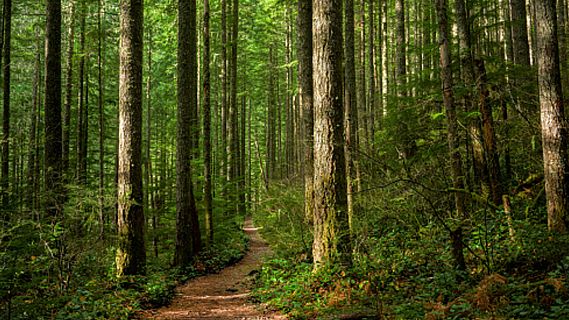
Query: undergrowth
point(44, 276)
point(403, 267)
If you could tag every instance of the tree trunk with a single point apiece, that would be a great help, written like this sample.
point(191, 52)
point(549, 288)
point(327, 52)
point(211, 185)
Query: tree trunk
point(53, 143)
point(223, 77)
point(6, 101)
point(82, 102)
point(370, 112)
point(331, 230)
point(131, 252)
point(187, 228)
point(350, 107)
point(33, 155)
point(68, 89)
point(553, 125)
point(519, 32)
point(100, 106)
point(305, 93)
point(208, 199)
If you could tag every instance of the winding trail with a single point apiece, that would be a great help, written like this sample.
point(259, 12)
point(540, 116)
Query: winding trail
point(223, 295)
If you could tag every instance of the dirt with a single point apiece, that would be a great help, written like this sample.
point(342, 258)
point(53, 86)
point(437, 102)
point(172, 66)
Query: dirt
point(224, 295)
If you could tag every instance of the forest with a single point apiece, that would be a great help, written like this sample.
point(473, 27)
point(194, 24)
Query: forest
point(401, 159)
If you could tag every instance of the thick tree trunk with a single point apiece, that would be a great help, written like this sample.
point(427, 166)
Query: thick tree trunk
point(331, 230)
point(53, 143)
point(131, 252)
point(553, 123)
point(187, 228)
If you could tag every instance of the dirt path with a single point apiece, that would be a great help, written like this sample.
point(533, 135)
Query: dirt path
point(223, 295)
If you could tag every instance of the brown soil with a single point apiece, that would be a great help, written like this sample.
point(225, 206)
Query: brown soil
point(224, 295)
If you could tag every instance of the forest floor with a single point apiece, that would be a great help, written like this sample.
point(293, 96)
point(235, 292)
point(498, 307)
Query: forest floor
point(224, 295)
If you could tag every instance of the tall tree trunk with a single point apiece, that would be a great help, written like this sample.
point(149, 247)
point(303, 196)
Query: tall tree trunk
point(492, 158)
point(362, 99)
point(6, 100)
point(305, 93)
point(33, 155)
point(518, 15)
point(553, 123)
point(81, 101)
point(233, 136)
point(187, 228)
point(350, 107)
point(131, 252)
point(331, 229)
point(224, 106)
point(452, 130)
point(208, 198)
point(68, 89)
point(100, 106)
point(370, 112)
point(53, 143)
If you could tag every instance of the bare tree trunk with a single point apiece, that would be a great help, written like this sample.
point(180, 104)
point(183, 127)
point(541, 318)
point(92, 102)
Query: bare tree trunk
point(53, 143)
point(553, 123)
point(100, 100)
point(305, 93)
point(68, 89)
point(6, 101)
point(131, 252)
point(452, 131)
point(331, 229)
point(208, 198)
point(187, 227)
point(350, 107)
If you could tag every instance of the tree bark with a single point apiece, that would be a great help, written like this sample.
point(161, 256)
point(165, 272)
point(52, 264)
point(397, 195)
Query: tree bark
point(68, 89)
point(6, 101)
point(350, 106)
point(305, 93)
point(518, 15)
point(53, 143)
point(187, 227)
point(553, 123)
point(131, 252)
point(331, 231)
point(208, 199)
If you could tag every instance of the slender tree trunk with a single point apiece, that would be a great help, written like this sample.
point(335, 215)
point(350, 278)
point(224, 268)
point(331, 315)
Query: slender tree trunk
point(80, 172)
point(305, 93)
point(32, 155)
point(553, 123)
point(331, 229)
point(6, 100)
point(350, 107)
point(187, 227)
point(362, 99)
point(492, 158)
point(53, 143)
point(224, 107)
point(68, 89)
point(518, 15)
point(233, 133)
point(452, 130)
point(100, 100)
point(208, 198)
point(131, 252)
point(370, 112)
